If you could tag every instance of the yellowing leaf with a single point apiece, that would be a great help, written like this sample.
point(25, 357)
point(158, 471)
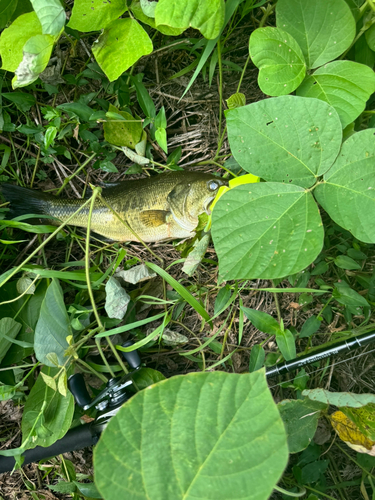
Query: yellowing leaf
point(351, 435)
point(122, 133)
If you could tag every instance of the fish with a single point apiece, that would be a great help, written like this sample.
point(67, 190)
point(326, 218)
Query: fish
point(158, 208)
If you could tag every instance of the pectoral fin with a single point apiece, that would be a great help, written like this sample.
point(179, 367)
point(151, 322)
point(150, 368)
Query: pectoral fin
point(154, 218)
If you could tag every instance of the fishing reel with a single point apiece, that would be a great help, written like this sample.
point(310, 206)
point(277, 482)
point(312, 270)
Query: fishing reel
point(112, 397)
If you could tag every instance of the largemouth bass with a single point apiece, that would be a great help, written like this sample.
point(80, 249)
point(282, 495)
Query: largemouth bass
point(157, 208)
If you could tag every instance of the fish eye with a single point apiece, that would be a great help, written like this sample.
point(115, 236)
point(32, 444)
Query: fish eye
point(213, 185)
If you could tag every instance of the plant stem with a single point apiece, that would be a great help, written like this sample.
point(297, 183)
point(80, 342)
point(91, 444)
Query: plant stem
point(96, 192)
point(220, 93)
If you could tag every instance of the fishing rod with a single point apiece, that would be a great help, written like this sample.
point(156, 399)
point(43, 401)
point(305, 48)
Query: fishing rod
point(116, 393)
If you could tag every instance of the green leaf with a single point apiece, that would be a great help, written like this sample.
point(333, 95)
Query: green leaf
point(339, 399)
point(324, 29)
point(310, 326)
point(205, 15)
point(88, 490)
point(348, 190)
point(120, 45)
point(300, 418)
point(185, 294)
point(370, 37)
point(280, 61)
point(348, 297)
point(286, 343)
point(136, 9)
point(57, 414)
point(236, 100)
point(8, 328)
point(257, 356)
point(146, 377)
point(345, 85)
point(94, 15)
point(51, 15)
point(222, 298)
point(13, 39)
point(262, 321)
point(286, 139)
point(26, 310)
point(79, 109)
point(161, 138)
point(7, 8)
point(53, 326)
point(266, 230)
point(122, 133)
point(36, 54)
point(23, 6)
point(344, 262)
point(181, 437)
point(22, 100)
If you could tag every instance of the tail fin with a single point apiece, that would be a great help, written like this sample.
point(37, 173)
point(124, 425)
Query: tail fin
point(24, 201)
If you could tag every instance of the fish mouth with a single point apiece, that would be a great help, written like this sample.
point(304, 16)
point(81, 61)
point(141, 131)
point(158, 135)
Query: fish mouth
point(208, 204)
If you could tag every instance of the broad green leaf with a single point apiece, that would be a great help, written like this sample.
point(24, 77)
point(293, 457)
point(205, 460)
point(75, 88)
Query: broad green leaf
point(257, 356)
point(280, 61)
point(301, 420)
point(36, 54)
point(324, 29)
point(13, 39)
point(262, 321)
point(122, 133)
point(205, 15)
point(8, 328)
point(266, 230)
point(26, 311)
point(196, 436)
point(117, 300)
point(120, 45)
point(57, 414)
point(136, 9)
point(7, 8)
point(345, 85)
point(53, 326)
point(286, 343)
point(339, 399)
point(348, 190)
point(286, 139)
point(51, 15)
point(94, 15)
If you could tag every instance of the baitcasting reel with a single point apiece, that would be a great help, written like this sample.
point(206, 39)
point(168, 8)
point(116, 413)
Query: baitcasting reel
point(107, 402)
